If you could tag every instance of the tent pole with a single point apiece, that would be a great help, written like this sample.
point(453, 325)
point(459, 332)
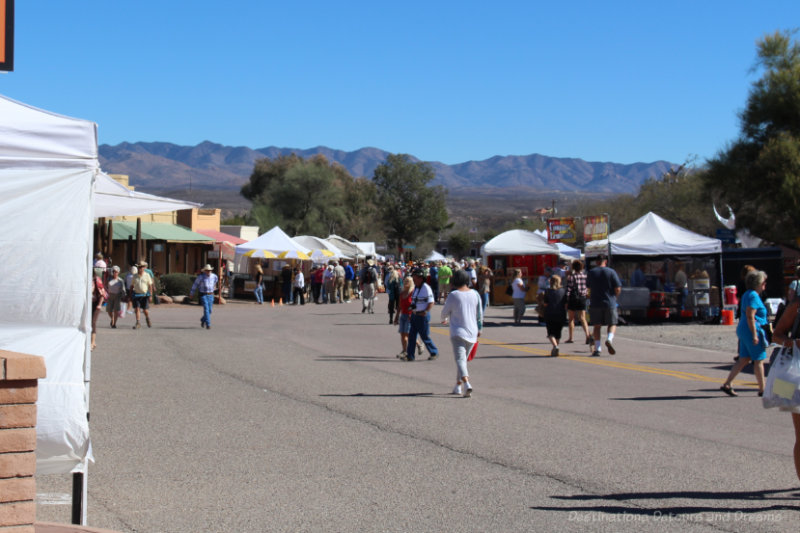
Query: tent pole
point(79, 496)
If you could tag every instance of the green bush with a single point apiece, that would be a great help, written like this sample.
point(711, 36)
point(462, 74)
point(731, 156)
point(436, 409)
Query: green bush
point(176, 284)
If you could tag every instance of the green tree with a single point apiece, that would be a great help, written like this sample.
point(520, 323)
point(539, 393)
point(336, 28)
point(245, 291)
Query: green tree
point(361, 223)
point(758, 174)
point(458, 243)
point(411, 209)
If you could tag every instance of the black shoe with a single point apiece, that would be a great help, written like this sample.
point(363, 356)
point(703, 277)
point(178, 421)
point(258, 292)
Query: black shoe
point(728, 390)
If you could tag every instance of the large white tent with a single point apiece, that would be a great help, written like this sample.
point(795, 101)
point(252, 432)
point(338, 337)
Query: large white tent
point(651, 235)
point(112, 199)
point(275, 241)
point(317, 243)
point(518, 242)
point(348, 249)
point(48, 164)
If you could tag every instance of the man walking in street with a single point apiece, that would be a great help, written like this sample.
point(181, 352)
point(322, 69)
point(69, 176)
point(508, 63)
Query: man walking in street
point(368, 279)
point(205, 284)
point(142, 286)
point(349, 276)
point(604, 287)
point(421, 305)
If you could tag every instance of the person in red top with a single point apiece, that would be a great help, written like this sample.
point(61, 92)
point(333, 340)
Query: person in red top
point(403, 316)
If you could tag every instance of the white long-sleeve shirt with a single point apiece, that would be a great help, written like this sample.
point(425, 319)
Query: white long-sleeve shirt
point(465, 311)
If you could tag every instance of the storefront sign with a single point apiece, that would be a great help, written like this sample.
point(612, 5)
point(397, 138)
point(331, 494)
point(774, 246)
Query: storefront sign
point(595, 228)
point(561, 230)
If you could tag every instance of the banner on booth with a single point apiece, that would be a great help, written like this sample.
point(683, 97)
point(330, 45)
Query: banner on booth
point(561, 230)
point(595, 228)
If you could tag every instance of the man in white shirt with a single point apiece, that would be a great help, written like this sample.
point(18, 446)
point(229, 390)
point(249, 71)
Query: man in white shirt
point(421, 305)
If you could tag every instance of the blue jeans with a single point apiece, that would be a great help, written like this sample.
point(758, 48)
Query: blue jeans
point(420, 325)
point(208, 302)
point(259, 293)
point(484, 300)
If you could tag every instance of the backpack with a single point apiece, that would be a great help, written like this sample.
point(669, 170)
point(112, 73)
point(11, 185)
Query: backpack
point(369, 275)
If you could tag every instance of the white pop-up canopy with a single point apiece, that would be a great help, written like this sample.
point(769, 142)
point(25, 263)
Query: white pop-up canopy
point(651, 235)
point(518, 242)
point(274, 241)
point(317, 244)
point(349, 250)
point(48, 164)
point(112, 199)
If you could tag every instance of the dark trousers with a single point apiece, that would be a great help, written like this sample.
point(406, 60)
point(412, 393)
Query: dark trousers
point(420, 325)
point(300, 295)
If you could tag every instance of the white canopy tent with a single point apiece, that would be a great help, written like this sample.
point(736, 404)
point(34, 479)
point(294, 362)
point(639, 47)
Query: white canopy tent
point(349, 250)
point(48, 165)
point(518, 242)
point(435, 256)
point(275, 241)
point(651, 235)
point(317, 243)
point(565, 251)
point(112, 199)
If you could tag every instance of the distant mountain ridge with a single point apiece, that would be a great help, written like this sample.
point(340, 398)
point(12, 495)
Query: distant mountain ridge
point(160, 166)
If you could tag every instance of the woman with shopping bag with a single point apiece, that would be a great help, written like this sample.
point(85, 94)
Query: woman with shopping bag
point(753, 340)
point(786, 334)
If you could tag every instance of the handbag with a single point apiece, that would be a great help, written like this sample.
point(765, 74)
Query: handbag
point(509, 290)
point(783, 379)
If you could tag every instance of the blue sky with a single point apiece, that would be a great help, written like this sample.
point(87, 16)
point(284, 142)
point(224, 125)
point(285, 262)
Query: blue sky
point(620, 81)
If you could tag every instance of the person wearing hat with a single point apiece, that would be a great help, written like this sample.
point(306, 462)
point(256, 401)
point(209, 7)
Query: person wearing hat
point(205, 284)
point(368, 281)
point(421, 305)
point(143, 264)
point(116, 293)
point(141, 288)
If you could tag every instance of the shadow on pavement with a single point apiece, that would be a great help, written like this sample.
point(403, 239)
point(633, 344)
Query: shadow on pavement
point(396, 395)
point(714, 513)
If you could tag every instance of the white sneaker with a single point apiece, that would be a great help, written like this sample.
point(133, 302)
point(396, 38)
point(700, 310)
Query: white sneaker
point(467, 389)
point(457, 390)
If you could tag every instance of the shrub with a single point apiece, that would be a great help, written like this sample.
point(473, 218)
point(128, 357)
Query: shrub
point(176, 284)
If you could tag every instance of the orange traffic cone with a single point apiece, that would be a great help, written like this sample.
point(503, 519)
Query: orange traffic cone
point(280, 302)
point(273, 302)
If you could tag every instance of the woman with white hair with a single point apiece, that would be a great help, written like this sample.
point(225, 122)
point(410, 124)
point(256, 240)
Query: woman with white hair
point(753, 340)
point(116, 294)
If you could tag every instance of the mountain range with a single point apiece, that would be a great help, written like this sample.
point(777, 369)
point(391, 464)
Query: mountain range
point(161, 166)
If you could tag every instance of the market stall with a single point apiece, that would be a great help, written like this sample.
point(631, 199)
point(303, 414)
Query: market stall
point(666, 270)
point(275, 251)
point(514, 249)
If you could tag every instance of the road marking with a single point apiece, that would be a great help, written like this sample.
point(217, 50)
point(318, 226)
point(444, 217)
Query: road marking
point(54, 498)
point(688, 376)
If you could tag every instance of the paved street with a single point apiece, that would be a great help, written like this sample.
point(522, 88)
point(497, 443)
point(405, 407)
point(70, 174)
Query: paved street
point(301, 419)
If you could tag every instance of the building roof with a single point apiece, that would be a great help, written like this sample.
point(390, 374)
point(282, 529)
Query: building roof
point(153, 231)
point(218, 236)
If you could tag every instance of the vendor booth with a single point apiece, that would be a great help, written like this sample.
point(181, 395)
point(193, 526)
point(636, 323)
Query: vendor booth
point(514, 249)
point(276, 252)
point(667, 271)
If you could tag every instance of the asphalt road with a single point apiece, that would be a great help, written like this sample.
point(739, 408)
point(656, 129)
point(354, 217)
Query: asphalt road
point(301, 419)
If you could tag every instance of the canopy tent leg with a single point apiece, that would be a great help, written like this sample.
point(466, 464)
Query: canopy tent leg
point(79, 497)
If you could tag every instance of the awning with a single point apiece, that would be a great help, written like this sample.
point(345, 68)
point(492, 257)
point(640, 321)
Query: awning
point(112, 199)
point(218, 236)
point(154, 231)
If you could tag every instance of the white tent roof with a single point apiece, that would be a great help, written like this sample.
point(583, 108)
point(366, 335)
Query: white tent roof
point(48, 163)
point(653, 235)
point(518, 242)
point(435, 256)
point(317, 243)
point(113, 199)
point(367, 248)
point(348, 249)
point(275, 241)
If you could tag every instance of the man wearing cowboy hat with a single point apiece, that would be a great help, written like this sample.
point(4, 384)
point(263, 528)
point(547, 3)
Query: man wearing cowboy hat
point(141, 289)
point(368, 281)
point(205, 284)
